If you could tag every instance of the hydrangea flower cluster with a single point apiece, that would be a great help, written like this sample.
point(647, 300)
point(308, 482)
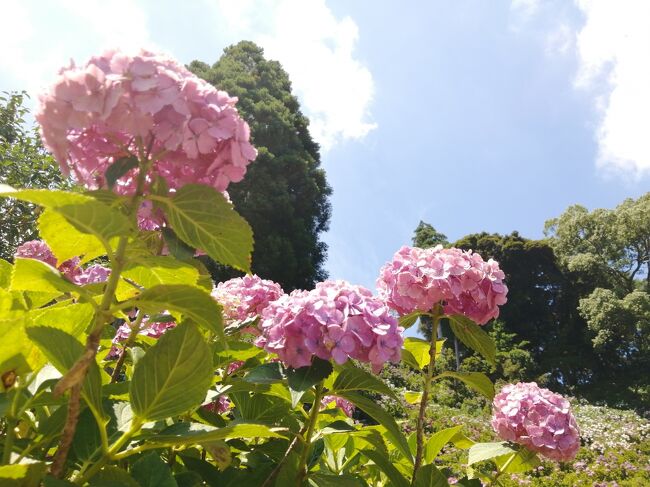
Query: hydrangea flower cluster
point(418, 279)
point(39, 250)
point(335, 320)
point(346, 406)
point(117, 105)
point(148, 328)
point(538, 419)
point(245, 297)
point(219, 406)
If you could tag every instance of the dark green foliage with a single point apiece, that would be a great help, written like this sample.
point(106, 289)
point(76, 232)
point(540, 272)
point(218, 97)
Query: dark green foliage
point(23, 164)
point(284, 195)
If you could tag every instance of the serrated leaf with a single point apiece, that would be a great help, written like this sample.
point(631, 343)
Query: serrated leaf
point(173, 376)
point(151, 471)
point(65, 240)
point(485, 451)
point(474, 337)
point(352, 378)
point(523, 461)
point(372, 409)
point(203, 218)
point(119, 168)
point(63, 350)
point(386, 466)
point(475, 380)
point(198, 433)
point(407, 321)
point(430, 476)
point(22, 356)
point(72, 318)
point(5, 274)
point(151, 271)
point(265, 374)
point(303, 378)
point(416, 352)
point(437, 441)
point(34, 275)
point(192, 302)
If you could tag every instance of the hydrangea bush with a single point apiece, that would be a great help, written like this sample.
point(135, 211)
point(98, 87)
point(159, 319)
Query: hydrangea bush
point(127, 366)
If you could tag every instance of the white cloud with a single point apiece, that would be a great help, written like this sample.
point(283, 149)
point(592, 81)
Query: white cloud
point(614, 52)
point(317, 50)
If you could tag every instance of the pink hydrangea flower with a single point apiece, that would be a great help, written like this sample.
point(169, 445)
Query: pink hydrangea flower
point(219, 405)
point(336, 320)
point(93, 274)
point(148, 328)
point(536, 418)
point(418, 279)
point(234, 366)
point(116, 105)
point(39, 250)
point(346, 406)
point(245, 297)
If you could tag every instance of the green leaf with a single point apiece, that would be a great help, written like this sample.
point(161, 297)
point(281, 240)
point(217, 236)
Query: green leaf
point(173, 376)
point(63, 350)
point(523, 461)
point(407, 321)
point(386, 466)
point(151, 271)
point(86, 214)
point(198, 433)
point(112, 476)
point(475, 380)
point(6, 270)
point(22, 356)
point(261, 408)
point(474, 337)
point(412, 397)
point(176, 246)
point(265, 374)
point(34, 275)
point(329, 480)
point(151, 471)
point(352, 378)
point(372, 409)
point(72, 318)
point(416, 352)
point(484, 451)
point(303, 378)
point(437, 441)
point(65, 240)
point(430, 476)
point(22, 475)
point(192, 302)
point(119, 168)
point(203, 218)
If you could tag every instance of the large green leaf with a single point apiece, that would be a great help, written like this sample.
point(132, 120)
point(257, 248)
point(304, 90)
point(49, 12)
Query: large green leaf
point(407, 321)
point(191, 302)
point(523, 461)
point(173, 376)
point(197, 433)
point(19, 355)
point(475, 380)
point(303, 378)
point(430, 476)
point(352, 378)
point(372, 409)
point(416, 352)
point(147, 272)
point(73, 318)
point(265, 374)
point(34, 275)
point(65, 240)
point(26, 474)
point(438, 440)
point(203, 218)
point(112, 476)
point(329, 480)
point(5, 274)
point(151, 471)
point(86, 214)
point(386, 466)
point(63, 350)
point(484, 451)
point(474, 337)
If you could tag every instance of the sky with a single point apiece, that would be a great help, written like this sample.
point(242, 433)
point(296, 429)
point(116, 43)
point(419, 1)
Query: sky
point(470, 115)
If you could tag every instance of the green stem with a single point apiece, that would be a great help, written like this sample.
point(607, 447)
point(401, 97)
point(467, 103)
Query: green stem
point(11, 423)
point(502, 470)
point(313, 416)
point(426, 388)
point(135, 328)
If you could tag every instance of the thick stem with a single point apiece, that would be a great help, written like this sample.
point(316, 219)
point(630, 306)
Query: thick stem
point(313, 416)
point(426, 388)
point(58, 465)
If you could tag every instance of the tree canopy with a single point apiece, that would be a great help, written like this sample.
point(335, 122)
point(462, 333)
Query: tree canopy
point(284, 195)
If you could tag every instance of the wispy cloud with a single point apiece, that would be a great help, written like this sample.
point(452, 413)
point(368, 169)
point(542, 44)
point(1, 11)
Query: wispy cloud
point(614, 52)
point(317, 49)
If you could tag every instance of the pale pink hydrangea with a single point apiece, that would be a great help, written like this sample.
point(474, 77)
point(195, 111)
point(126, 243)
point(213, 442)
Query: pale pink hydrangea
point(117, 105)
point(93, 274)
point(39, 250)
point(418, 279)
point(344, 405)
point(536, 418)
point(245, 297)
point(336, 320)
point(147, 328)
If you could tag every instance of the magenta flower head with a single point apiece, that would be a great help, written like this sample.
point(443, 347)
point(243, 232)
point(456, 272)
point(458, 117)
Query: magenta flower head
point(346, 406)
point(39, 250)
point(336, 320)
point(118, 105)
point(461, 281)
point(536, 418)
point(245, 297)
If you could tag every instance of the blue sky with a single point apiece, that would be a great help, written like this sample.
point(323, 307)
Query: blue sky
point(471, 115)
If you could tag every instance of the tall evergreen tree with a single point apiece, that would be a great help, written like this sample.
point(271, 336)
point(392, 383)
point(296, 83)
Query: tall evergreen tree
point(285, 194)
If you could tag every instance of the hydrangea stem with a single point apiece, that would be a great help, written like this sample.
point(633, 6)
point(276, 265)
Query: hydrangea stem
point(313, 416)
point(426, 388)
point(135, 328)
